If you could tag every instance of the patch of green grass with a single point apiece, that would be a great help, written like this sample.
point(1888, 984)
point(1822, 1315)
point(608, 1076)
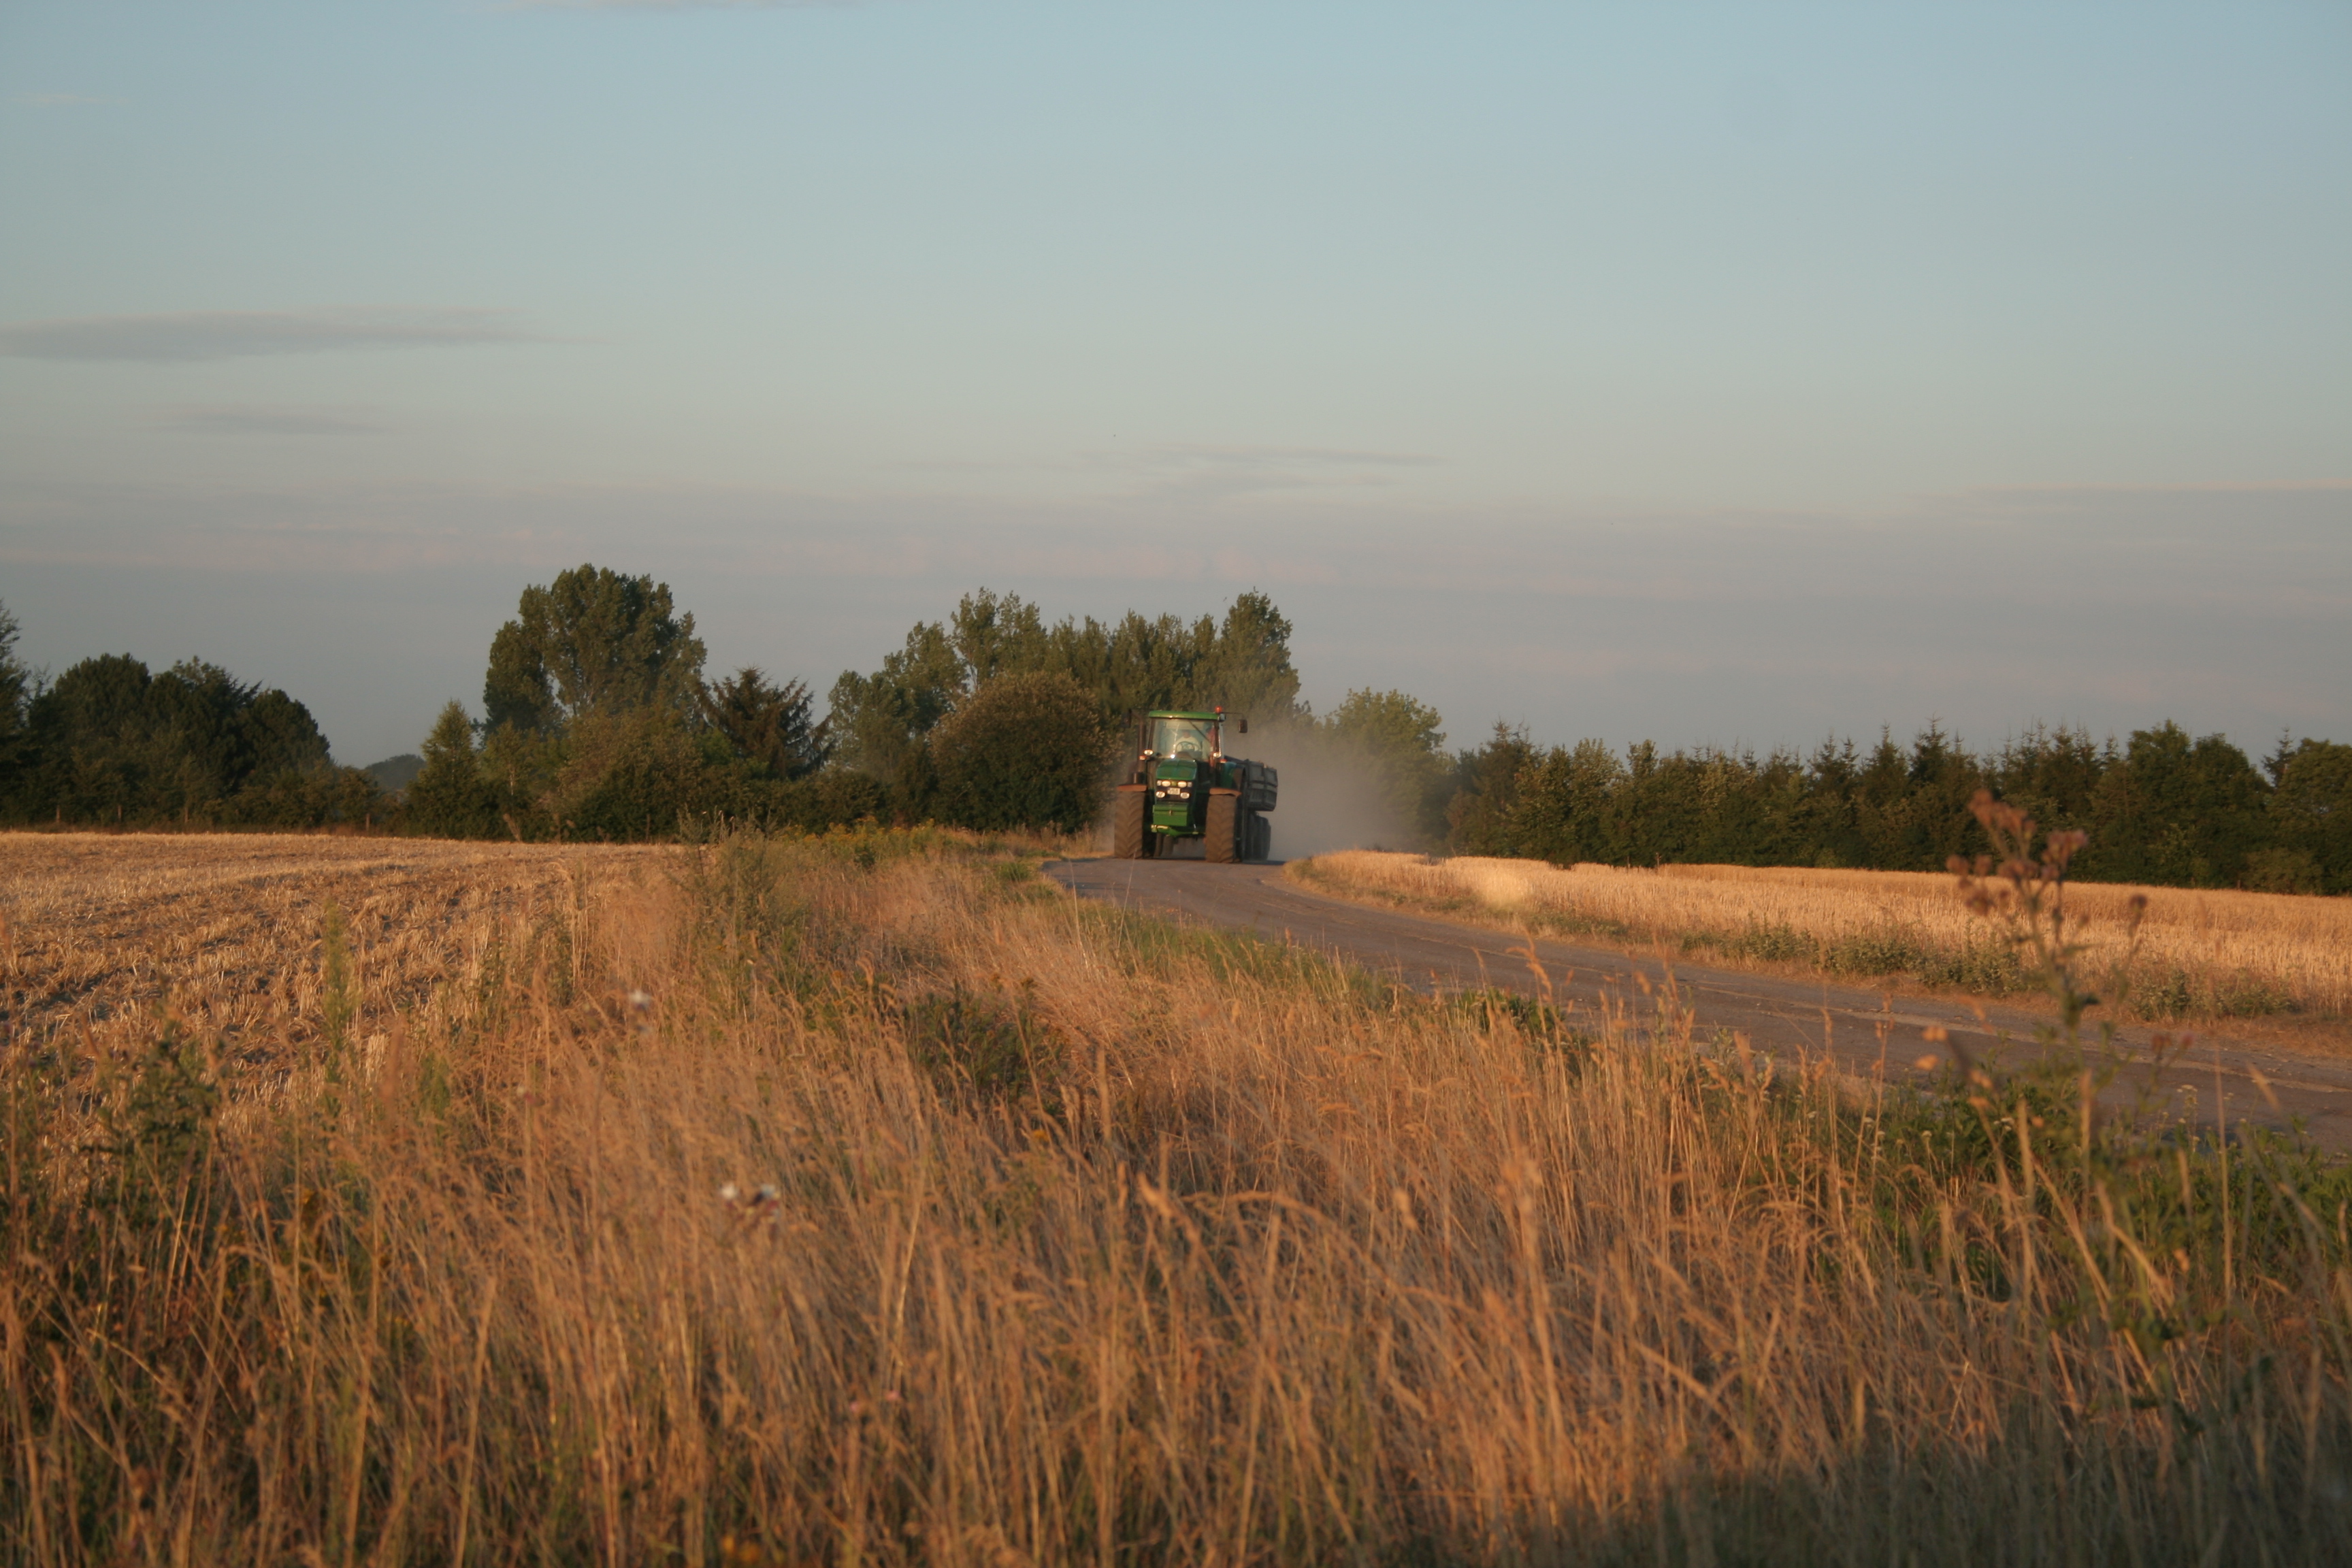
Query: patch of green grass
point(2173, 994)
point(989, 1040)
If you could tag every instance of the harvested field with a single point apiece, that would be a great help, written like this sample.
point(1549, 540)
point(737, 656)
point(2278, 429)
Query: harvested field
point(2198, 954)
point(866, 1200)
point(99, 932)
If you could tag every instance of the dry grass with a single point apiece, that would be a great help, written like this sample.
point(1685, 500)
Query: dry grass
point(2200, 955)
point(868, 1202)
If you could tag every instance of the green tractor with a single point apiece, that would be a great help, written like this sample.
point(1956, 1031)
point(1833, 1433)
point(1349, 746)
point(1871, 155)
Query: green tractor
point(1184, 786)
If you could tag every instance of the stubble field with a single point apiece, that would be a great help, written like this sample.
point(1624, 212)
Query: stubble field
point(866, 1200)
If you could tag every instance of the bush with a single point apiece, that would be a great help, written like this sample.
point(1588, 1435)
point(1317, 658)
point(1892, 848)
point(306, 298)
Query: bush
point(320, 796)
point(1026, 750)
point(640, 774)
point(834, 797)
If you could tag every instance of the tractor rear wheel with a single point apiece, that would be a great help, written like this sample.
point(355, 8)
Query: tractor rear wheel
point(1261, 837)
point(1224, 835)
point(1130, 833)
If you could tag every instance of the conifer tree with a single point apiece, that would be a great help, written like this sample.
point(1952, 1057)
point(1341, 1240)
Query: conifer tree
point(451, 797)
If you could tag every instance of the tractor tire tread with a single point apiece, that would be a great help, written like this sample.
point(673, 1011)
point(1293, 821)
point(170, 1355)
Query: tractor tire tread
point(1130, 832)
point(1225, 845)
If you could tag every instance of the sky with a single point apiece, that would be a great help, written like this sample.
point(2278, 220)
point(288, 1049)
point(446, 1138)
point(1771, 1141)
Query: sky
point(1723, 375)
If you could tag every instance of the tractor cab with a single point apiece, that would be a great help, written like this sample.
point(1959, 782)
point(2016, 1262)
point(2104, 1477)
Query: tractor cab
point(1184, 737)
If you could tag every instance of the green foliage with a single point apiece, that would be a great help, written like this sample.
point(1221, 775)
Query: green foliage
point(833, 797)
point(637, 775)
point(2311, 819)
point(590, 640)
point(1986, 967)
point(881, 720)
point(2163, 809)
point(308, 797)
point(989, 1042)
point(750, 915)
point(617, 775)
point(452, 796)
point(1024, 751)
point(109, 744)
point(600, 726)
point(767, 724)
point(1395, 741)
point(159, 1128)
point(17, 687)
point(1486, 793)
point(339, 1000)
point(2178, 812)
point(1248, 668)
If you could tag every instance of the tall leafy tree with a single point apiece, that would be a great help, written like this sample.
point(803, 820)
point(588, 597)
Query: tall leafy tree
point(880, 721)
point(1397, 740)
point(2311, 818)
point(993, 636)
point(1248, 667)
point(593, 640)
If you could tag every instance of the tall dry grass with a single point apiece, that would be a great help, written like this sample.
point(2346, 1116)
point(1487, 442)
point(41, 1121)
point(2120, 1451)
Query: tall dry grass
point(866, 1201)
point(2197, 954)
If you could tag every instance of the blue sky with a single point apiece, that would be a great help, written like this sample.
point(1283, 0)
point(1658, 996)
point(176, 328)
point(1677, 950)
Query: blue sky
point(1711, 373)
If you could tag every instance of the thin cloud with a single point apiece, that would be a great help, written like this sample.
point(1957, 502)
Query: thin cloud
point(683, 5)
point(240, 419)
point(186, 336)
point(60, 99)
point(1181, 456)
point(1219, 472)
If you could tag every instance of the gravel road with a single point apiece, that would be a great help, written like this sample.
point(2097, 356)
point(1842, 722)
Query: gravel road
point(1864, 1031)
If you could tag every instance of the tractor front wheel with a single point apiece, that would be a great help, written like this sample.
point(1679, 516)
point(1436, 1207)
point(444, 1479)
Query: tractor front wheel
point(1130, 827)
point(1224, 844)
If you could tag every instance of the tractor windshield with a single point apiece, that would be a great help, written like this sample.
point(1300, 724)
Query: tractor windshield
point(1187, 738)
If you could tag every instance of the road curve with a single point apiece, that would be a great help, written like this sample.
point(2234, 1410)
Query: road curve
point(1866, 1032)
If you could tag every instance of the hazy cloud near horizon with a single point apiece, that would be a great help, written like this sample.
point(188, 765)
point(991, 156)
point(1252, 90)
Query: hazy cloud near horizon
point(244, 419)
point(2221, 608)
point(683, 5)
point(184, 336)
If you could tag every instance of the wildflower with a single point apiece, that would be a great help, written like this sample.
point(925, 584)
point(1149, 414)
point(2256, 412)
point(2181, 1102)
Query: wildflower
point(765, 1203)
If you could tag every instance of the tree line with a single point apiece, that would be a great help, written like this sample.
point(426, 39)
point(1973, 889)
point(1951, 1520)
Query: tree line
point(2162, 808)
point(109, 742)
point(600, 723)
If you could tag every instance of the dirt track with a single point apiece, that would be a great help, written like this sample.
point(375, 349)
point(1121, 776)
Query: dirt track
point(1866, 1032)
